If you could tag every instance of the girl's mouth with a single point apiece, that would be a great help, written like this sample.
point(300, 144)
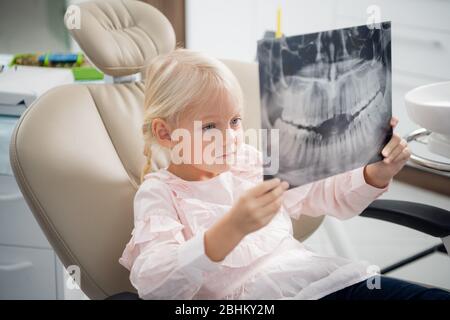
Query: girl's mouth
point(227, 155)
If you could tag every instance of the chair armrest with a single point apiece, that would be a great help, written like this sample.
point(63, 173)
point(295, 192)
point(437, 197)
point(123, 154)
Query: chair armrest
point(421, 217)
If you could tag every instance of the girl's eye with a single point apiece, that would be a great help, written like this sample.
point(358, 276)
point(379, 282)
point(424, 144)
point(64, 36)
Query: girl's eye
point(208, 126)
point(235, 121)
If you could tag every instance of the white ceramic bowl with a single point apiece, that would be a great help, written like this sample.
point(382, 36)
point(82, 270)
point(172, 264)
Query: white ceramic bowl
point(429, 107)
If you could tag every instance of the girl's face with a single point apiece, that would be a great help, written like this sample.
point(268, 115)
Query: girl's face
point(208, 136)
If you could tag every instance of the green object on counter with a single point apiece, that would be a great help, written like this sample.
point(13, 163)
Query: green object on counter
point(87, 73)
point(80, 59)
point(46, 60)
point(55, 60)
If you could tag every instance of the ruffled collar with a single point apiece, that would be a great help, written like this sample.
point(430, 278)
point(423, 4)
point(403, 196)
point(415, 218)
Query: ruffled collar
point(181, 186)
point(172, 178)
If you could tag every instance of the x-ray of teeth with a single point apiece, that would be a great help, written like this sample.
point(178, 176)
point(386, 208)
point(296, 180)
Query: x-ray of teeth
point(329, 95)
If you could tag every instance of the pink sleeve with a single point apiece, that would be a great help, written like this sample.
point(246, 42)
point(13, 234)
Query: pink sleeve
point(343, 196)
point(162, 264)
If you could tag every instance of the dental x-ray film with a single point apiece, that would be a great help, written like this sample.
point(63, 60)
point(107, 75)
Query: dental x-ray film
point(329, 95)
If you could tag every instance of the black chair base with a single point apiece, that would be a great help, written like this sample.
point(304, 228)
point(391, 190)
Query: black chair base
point(124, 296)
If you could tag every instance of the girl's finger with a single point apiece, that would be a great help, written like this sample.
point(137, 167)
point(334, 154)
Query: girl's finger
point(404, 155)
point(273, 194)
point(271, 208)
point(263, 187)
point(394, 122)
point(394, 153)
point(391, 145)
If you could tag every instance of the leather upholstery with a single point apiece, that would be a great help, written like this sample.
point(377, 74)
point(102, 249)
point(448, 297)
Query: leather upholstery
point(121, 37)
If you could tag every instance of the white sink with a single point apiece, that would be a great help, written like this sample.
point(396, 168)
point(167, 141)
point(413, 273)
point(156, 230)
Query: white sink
point(429, 107)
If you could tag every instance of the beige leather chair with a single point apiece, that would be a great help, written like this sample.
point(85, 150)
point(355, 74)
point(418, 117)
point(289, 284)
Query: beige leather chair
point(77, 151)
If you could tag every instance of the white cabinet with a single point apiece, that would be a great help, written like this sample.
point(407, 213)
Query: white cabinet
point(27, 273)
point(29, 268)
point(18, 227)
point(28, 265)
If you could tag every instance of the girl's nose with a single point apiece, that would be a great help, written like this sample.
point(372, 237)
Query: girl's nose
point(230, 136)
point(231, 140)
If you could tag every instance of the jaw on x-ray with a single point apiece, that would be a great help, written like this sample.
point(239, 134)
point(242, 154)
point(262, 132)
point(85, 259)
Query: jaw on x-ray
point(329, 95)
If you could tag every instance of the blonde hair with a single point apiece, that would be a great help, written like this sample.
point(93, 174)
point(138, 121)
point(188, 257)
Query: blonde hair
point(180, 79)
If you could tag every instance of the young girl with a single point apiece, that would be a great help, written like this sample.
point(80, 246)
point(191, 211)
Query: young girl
point(216, 230)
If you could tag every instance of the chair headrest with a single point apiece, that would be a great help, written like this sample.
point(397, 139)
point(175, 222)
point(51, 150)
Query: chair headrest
point(120, 36)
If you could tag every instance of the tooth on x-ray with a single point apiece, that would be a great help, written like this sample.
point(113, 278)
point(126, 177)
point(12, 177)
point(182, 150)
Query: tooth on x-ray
point(329, 95)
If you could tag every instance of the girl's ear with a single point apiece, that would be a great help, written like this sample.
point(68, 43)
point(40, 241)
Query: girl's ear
point(161, 132)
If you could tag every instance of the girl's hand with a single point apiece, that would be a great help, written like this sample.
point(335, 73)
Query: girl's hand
point(257, 206)
point(395, 153)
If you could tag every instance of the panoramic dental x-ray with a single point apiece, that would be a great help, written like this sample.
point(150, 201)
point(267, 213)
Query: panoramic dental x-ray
point(329, 95)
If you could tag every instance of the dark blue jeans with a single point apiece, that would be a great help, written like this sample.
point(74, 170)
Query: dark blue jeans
point(389, 289)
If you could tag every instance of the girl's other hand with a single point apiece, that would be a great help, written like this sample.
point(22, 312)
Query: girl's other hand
point(395, 154)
